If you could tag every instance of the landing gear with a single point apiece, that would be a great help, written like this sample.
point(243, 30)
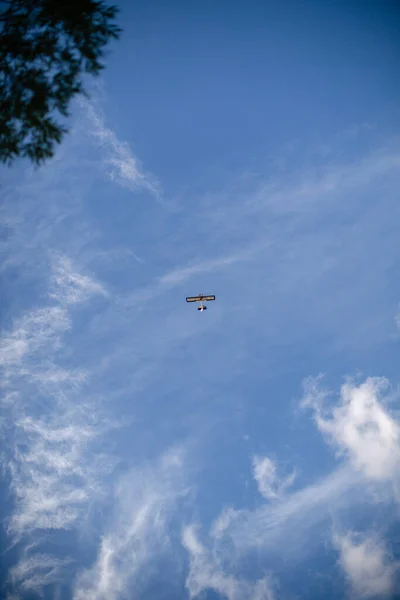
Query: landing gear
point(202, 307)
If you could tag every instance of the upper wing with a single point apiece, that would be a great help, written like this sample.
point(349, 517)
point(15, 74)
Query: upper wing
point(199, 298)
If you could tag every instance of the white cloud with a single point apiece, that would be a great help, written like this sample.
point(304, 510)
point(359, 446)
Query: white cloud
point(123, 167)
point(31, 333)
point(361, 427)
point(206, 572)
point(364, 431)
point(70, 286)
point(312, 186)
point(367, 564)
point(48, 430)
point(33, 572)
point(299, 514)
point(269, 484)
point(181, 274)
point(39, 330)
point(138, 533)
point(51, 481)
point(59, 444)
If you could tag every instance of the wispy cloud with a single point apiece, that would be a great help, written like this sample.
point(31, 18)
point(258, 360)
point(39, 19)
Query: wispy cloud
point(32, 331)
point(26, 351)
point(35, 571)
point(50, 481)
point(301, 513)
point(206, 572)
point(367, 564)
point(138, 532)
point(48, 429)
point(70, 286)
point(181, 274)
point(123, 167)
point(269, 484)
point(177, 276)
point(313, 189)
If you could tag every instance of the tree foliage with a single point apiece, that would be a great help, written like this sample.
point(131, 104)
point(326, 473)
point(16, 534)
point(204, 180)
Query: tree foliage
point(46, 47)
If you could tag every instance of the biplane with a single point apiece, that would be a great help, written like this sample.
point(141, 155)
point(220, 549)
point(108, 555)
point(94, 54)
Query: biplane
point(200, 298)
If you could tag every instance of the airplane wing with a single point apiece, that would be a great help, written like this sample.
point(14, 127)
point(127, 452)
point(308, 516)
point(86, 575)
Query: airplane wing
point(199, 298)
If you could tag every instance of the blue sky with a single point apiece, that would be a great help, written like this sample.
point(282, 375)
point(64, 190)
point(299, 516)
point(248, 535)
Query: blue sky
point(251, 151)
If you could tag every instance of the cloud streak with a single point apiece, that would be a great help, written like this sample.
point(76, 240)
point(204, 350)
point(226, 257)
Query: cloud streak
point(123, 167)
point(180, 275)
point(206, 573)
point(300, 513)
point(71, 287)
point(138, 533)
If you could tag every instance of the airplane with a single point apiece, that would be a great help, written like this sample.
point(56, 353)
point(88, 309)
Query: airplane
point(200, 298)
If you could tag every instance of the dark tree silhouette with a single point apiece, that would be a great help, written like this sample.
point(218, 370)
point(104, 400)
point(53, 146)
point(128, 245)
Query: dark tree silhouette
point(46, 47)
